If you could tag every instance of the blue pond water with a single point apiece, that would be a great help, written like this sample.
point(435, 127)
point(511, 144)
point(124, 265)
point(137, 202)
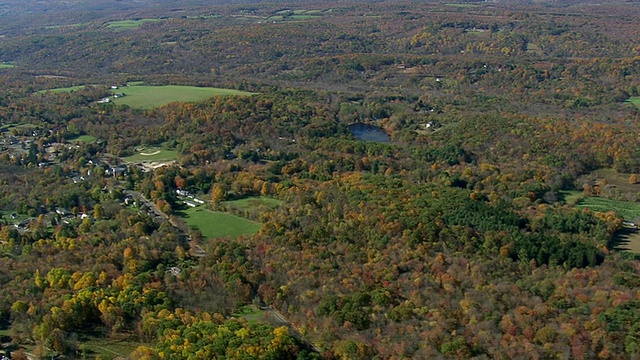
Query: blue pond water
point(367, 132)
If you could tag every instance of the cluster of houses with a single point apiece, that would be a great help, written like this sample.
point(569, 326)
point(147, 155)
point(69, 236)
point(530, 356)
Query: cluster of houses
point(193, 201)
point(113, 95)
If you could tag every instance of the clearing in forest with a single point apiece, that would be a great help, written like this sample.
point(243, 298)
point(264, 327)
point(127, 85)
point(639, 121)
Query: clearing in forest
point(6, 66)
point(87, 139)
point(128, 24)
point(253, 204)
point(149, 97)
point(216, 224)
point(152, 154)
point(634, 100)
point(626, 209)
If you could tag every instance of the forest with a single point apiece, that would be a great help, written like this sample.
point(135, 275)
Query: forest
point(262, 226)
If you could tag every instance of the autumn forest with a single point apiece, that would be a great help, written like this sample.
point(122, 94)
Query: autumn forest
point(366, 180)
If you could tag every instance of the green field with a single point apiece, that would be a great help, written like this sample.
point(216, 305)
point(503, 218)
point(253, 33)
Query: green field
point(251, 313)
point(107, 349)
point(571, 197)
point(635, 100)
point(215, 224)
point(84, 138)
point(253, 203)
point(128, 24)
point(148, 97)
point(62, 90)
point(626, 209)
point(152, 154)
point(6, 66)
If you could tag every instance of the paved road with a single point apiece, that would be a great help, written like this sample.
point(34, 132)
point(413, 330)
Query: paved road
point(283, 321)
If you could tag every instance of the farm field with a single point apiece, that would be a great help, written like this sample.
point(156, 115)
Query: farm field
point(216, 224)
point(148, 97)
point(66, 89)
point(152, 154)
point(128, 24)
point(626, 209)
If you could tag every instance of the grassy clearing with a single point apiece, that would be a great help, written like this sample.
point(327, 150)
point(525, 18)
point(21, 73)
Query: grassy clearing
point(84, 139)
point(253, 203)
point(251, 313)
point(215, 224)
point(6, 66)
point(148, 97)
point(62, 90)
point(108, 349)
point(626, 209)
point(128, 24)
point(635, 100)
point(571, 197)
point(152, 154)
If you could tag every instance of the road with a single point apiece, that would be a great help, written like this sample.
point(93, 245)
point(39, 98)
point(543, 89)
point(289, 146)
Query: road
point(283, 321)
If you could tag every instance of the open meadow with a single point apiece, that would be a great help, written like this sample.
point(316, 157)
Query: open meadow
point(216, 224)
point(635, 100)
point(84, 139)
point(148, 97)
point(152, 154)
point(253, 204)
point(128, 24)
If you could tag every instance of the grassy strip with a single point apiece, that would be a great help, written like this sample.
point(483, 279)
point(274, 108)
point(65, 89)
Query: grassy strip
point(635, 100)
point(628, 210)
point(84, 138)
point(128, 24)
point(215, 224)
point(148, 97)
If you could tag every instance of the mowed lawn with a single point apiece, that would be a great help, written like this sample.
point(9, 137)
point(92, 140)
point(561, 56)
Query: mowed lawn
point(153, 154)
point(216, 224)
point(148, 97)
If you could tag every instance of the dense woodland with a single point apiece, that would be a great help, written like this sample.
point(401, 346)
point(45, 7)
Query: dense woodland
point(453, 240)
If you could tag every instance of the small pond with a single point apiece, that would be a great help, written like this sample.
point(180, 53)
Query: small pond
point(367, 132)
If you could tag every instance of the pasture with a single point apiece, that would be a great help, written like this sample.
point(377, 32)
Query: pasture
point(152, 154)
point(63, 90)
point(627, 210)
point(216, 224)
point(149, 97)
point(128, 24)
